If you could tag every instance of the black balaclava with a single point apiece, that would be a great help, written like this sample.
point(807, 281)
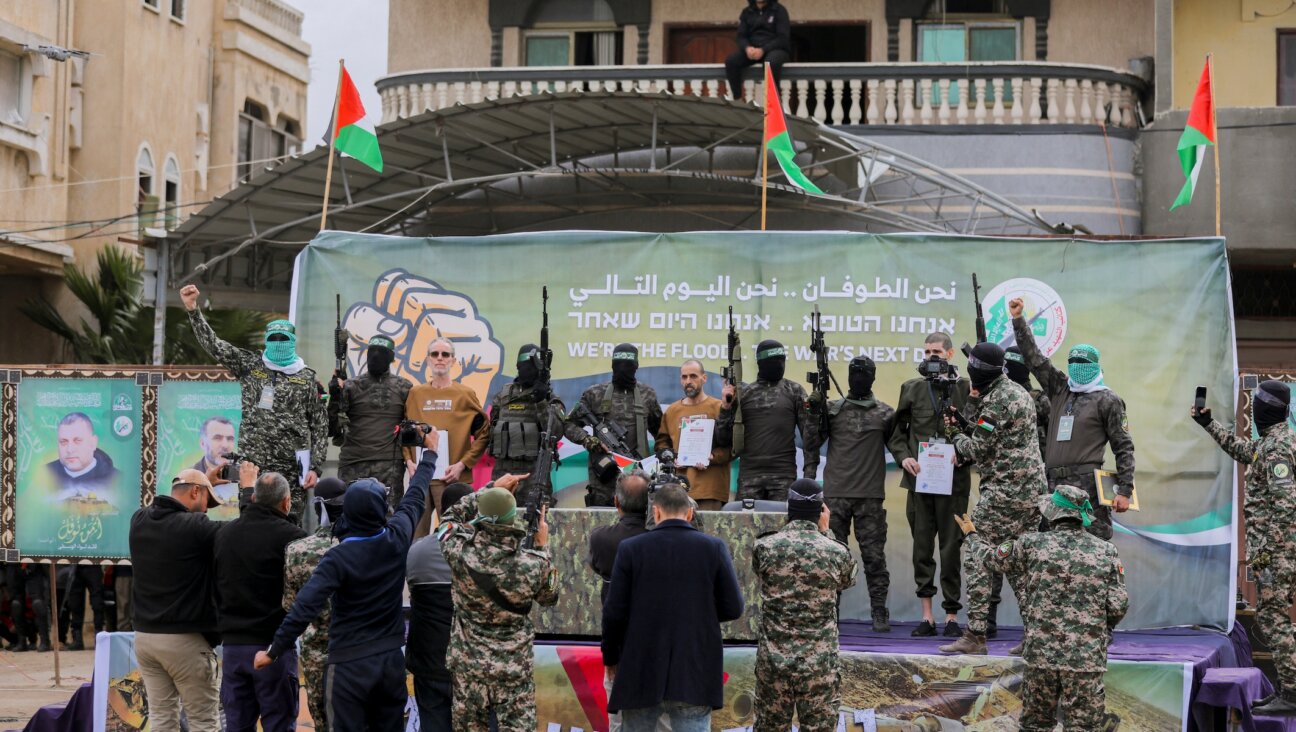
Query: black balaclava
point(985, 365)
point(380, 360)
point(861, 375)
point(1269, 404)
point(328, 493)
point(625, 362)
point(1015, 365)
point(805, 500)
point(771, 361)
point(528, 369)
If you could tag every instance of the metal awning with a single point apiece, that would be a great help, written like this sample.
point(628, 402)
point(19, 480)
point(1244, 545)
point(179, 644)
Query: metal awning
point(578, 160)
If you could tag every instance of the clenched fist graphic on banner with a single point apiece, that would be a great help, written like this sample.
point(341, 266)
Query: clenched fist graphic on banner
point(414, 311)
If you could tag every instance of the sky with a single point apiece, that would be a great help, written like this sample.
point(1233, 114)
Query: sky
point(355, 30)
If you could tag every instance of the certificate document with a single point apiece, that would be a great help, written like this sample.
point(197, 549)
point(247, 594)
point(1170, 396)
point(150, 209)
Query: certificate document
point(935, 468)
point(695, 443)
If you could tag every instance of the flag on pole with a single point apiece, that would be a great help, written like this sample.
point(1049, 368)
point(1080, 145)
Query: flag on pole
point(353, 131)
point(1197, 135)
point(777, 139)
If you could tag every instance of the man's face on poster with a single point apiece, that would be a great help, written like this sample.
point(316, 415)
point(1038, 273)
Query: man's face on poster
point(76, 445)
point(217, 441)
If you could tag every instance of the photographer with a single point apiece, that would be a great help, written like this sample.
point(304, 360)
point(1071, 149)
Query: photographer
point(364, 579)
point(931, 517)
point(249, 589)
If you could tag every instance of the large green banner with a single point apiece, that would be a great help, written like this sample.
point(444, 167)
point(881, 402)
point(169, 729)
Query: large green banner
point(198, 424)
point(78, 466)
point(1159, 311)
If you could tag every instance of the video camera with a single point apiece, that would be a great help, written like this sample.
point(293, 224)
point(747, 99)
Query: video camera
point(667, 473)
point(410, 433)
point(230, 470)
point(937, 369)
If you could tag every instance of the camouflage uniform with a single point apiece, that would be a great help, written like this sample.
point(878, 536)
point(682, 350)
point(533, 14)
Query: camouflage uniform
point(490, 652)
point(363, 423)
point(1077, 597)
point(1270, 512)
point(617, 405)
point(772, 414)
point(1003, 442)
point(1099, 419)
point(1042, 410)
point(301, 557)
point(855, 484)
point(517, 422)
point(801, 573)
point(295, 420)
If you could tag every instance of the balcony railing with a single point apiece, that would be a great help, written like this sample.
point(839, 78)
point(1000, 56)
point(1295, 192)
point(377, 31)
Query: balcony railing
point(280, 14)
point(992, 93)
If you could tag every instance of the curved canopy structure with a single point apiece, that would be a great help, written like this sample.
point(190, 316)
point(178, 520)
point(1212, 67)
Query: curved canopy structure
point(579, 160)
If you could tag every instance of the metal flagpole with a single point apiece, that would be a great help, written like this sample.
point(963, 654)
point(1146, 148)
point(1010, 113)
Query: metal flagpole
point(765, 142)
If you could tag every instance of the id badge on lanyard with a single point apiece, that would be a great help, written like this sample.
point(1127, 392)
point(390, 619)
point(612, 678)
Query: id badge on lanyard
point(267, 397)
point(1066, 423)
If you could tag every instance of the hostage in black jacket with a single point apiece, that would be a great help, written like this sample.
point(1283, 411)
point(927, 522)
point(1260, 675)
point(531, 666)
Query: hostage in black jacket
point(764, 36)
point(364, 577)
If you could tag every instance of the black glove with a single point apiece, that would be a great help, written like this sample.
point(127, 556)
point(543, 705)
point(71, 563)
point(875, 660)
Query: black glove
point(541, 392)
point(334, 388)
point(1203, 417)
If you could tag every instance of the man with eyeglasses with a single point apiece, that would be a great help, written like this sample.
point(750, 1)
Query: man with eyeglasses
point(283, 413)
point(1085, 417)
point(931, 516)
point(449, 406)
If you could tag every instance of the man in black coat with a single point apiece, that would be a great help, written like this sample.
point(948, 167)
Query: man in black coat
point(631, 501)
point(431, 611)
point(764, 37)
point(249, 607)
point(671, 588)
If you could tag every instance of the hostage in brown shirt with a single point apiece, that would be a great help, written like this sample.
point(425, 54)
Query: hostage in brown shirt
point(709, 484)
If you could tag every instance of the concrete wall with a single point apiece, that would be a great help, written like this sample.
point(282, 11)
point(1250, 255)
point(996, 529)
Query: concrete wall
point(1062, 173)
point(437, 34)
point(1243, 36)
point(1104, 32)
point(1257, 178)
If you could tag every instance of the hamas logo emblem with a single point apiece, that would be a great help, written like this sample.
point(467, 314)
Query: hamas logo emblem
point(1044, 312)
point(1281, 470)
point(123, 426)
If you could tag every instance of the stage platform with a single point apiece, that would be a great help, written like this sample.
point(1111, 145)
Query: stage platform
point(891, 682)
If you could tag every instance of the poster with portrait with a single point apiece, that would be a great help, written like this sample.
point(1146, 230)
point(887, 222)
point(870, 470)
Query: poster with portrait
point(198, 425)
point(77, 467)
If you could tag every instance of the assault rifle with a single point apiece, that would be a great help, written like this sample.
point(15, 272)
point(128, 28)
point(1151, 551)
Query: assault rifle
point(822, 375)
point(340, 338)
point(980, 317)
point(611, 434)
point(732, 374)
point(541, 480)
point(543, 388)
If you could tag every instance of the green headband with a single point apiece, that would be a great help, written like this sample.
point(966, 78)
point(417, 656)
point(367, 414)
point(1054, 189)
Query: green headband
point(526, 355)
point(1086, 511)
point(771, 353)
point(625, 356)
point(382, 342)
point(505, 520)
point(281, 326)
point(1009, 355)
point(1085, 351)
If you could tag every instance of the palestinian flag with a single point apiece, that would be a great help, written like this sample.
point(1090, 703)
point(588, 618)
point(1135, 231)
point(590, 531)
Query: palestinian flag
point(353, 132)
point(1197, 135)
point(777, 140)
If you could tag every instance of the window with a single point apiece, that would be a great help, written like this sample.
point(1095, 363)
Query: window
point(12, 97)
point(1287, 67)
point(145, 173)
point(154, 5)
point(177, 9)
point(572, 33)
point(955, 42)
point(259, 142)
point(171, 193)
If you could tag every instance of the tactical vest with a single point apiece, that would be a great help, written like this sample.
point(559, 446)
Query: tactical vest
point(517, 430)
point(640, 415)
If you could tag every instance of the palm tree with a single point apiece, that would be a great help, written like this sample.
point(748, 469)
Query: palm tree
point(122, 331)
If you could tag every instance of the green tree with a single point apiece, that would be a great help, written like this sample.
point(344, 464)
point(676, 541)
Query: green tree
point(120, 328)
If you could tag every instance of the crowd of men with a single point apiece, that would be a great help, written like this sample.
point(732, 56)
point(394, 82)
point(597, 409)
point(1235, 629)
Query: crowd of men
point(259, 583)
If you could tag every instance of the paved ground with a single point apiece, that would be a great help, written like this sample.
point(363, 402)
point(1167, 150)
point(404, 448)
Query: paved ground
point(27, 682)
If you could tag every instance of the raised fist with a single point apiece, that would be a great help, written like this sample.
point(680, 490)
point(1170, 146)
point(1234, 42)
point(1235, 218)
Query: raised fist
point(1016, 306)
point(414, 311)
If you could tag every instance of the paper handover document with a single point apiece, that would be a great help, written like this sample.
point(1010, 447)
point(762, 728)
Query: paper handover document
point(443, 455)
point(695, 443)
point(935, 468)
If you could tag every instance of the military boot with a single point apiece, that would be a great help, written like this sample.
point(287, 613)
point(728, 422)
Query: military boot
point(1017, 649)
point(881, 620)
point(78, 643)
point(1284, 705)
point(970, 644)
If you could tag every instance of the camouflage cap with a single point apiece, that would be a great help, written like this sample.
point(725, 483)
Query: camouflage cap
point(1067, 501)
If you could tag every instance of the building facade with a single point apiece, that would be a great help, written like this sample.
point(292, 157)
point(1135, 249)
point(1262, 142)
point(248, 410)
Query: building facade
point(170, 104)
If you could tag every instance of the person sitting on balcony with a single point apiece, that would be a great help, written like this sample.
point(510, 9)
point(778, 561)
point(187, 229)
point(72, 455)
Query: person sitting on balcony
point(764, 36)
